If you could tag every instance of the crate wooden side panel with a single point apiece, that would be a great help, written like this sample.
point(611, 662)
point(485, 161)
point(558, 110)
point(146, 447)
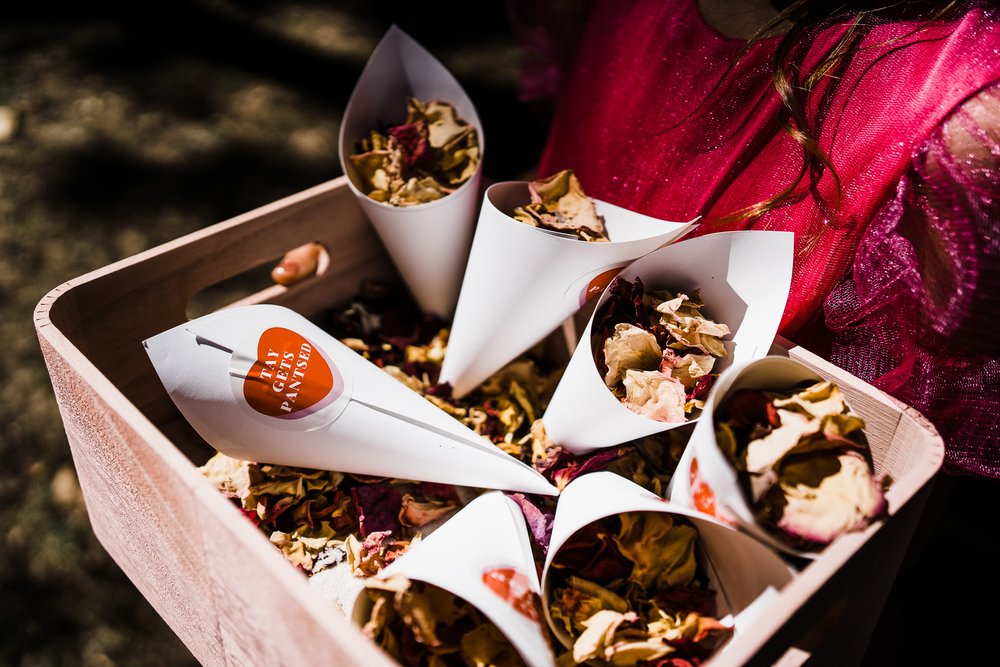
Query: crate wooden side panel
point(141, 510)
point(208, 572)
point(267, 613)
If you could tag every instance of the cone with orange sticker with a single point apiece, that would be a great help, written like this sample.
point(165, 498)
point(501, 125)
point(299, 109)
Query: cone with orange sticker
point(522, 282)
point(704, 579)
point(482, 556)
point(262, 383)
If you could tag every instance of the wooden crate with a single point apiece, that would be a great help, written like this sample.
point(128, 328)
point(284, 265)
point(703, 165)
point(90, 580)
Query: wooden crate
point(222, 587)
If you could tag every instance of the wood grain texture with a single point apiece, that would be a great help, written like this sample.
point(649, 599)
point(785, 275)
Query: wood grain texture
point(217, 581)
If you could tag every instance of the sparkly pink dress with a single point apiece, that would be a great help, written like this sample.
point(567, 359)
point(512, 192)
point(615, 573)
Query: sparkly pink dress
point(900, 283)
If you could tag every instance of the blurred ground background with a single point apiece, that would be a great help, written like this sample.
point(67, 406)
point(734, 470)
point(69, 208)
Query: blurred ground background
point(122, 127)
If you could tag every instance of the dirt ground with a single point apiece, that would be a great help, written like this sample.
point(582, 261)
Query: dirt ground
point(122, 127)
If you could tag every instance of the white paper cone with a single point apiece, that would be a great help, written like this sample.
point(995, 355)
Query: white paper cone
point(739, 569)
point(522, 282)
point(429, 243)
point(705, 479)
point(486, 542)
point(743, 278)
point(327, 407)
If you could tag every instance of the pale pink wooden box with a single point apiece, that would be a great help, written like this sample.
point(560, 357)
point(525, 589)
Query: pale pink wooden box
point(219, 583)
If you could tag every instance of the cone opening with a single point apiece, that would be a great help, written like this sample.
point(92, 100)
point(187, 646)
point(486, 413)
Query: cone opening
point(400, 68)
point(431, 597)
point(472, 183)
point(707, 598)
point(661, 370)
point(507, 196)
point(742, 492)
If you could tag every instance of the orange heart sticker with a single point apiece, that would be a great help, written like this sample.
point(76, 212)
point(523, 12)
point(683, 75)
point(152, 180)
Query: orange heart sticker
point(701, 493)
point(289, 377)
point(514, 588)
point(597, 284)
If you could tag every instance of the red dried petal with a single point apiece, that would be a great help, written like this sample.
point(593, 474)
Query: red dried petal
point(745, 408)
point(378, 508)
point(592, 554)
point(413, 143)
point(686, 598)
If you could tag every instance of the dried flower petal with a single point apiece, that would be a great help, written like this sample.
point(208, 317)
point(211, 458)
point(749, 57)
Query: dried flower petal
point(662, 551)
point(559, 204)
point(654, 395)
point(802, 459)
point(229, 475)
point(415, 514)
point(417, 623)
point(689, 328)
point(424, 159)
point(599, 633)
point(633, 327)
point(661, 607)
point(539, 518)
point(828, 495)
point(629, 348)
point(485, 646)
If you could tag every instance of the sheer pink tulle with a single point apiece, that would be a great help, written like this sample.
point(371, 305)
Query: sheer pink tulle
point(918, 316)
point(904, 269)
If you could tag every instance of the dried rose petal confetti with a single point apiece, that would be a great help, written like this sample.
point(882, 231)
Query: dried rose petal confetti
point(803, 461)
point(417, 624)
point(656, 350)
point(425, 158)
point(658, 603)
point(559, 204)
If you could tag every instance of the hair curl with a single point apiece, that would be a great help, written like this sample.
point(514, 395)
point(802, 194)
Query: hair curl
point(798, 23)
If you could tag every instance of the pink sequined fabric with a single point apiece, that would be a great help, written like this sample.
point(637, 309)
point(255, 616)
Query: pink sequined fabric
point(899, 279)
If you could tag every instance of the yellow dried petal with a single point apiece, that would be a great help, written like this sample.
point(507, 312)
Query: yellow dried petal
point(662, 550)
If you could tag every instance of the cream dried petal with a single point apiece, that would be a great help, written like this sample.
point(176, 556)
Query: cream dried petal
point(826, 496)
point(418, 191)
point(630, 653)
point(229, 475)
point(819, 400)
point(411, 382)
point(763, 453)
point(599, 634)
point(690, 367)
point(558, 203)
point(629, 348)
point(654, 395)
